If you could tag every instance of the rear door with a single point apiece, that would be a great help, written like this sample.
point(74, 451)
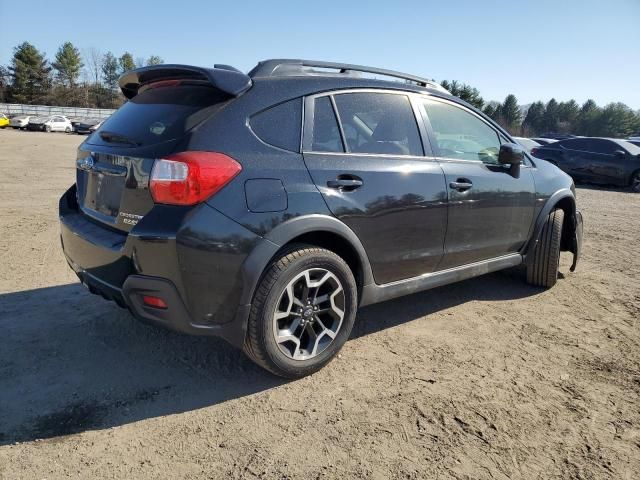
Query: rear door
point(578, 158)
point(365, 154)
point(114, 164)
point(490, 209)
point(606, 167)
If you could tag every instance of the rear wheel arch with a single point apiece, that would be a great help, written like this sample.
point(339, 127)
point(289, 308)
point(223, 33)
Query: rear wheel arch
point(315, 230)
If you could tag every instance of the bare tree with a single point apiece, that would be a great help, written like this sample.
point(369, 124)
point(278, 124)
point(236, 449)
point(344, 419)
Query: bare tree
point(93, 62)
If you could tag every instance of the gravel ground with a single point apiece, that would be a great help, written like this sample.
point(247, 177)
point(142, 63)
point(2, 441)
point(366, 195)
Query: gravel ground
point(488, 378)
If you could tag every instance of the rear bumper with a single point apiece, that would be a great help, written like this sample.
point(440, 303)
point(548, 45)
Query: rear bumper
point(200, 284)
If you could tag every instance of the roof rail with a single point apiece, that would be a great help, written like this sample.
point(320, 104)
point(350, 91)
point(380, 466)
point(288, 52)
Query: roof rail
point(290, 67)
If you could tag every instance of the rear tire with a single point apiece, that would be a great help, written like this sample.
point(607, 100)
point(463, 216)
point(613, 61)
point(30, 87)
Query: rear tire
point(542, 270)
point(302, 312)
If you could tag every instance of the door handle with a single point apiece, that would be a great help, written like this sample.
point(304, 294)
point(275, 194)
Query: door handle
point(461, 184)
point(346, 182)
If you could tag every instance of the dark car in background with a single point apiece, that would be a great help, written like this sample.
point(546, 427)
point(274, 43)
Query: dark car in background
point(605, 161)
point(267, 207)
point(87, 126)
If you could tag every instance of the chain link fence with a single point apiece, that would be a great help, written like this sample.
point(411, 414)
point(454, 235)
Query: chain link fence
point(44, 110)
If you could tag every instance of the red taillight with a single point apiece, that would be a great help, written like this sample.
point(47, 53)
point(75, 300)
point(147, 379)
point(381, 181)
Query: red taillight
point(155, 302)
point(188, 178)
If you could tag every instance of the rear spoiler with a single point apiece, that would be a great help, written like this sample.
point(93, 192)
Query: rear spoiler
point(223, 77)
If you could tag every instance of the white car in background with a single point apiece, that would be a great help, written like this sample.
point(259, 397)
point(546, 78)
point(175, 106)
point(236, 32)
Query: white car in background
point(20, 121)
point(52, 123)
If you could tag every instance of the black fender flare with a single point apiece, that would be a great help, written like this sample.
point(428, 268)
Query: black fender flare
point(267, 247)
point(576, 225)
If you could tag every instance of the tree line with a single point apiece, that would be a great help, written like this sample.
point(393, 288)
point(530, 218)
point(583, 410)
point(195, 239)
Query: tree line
point(90, 79)
point(588, 119)
point(71, 79)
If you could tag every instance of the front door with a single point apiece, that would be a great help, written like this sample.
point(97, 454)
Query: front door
point(365, 155)
point(490, 209)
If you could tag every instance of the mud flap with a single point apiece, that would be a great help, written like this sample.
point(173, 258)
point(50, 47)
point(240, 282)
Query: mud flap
point(576, 244)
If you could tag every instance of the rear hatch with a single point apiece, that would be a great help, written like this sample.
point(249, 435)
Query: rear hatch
point(114, 163)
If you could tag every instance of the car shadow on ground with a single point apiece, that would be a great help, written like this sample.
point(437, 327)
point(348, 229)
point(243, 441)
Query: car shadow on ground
point(72, 362)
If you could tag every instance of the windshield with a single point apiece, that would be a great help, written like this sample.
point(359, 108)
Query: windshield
point(160, 114)
point(629, 147)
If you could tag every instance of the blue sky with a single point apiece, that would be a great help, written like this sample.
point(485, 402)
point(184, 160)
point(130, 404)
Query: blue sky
point(534, 49)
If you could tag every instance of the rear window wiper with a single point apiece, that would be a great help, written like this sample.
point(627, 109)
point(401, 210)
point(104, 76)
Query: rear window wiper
point(113, 137)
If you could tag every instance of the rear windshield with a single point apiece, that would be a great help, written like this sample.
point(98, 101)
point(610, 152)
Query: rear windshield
point(159, 114)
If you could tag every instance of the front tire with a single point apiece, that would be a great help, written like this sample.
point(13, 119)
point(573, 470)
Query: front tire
point(302, 313)
point(47, 128)
point(542, 270)
point(635, 182)
point(67, 130)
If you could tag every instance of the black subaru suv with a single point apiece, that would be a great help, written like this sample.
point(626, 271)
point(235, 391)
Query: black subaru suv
point(266, 207)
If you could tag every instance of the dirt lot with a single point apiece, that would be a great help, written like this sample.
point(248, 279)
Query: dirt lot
point(488, 378)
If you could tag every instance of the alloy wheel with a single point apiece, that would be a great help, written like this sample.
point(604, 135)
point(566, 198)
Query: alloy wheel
point(309, 314)
point(635, 183)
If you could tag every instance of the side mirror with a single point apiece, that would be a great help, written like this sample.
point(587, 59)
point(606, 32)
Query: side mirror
point(620, 154)
point(511, 154)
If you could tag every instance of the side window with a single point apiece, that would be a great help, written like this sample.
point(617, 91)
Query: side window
point(280, 125)
point(459, 134)
point(604, 146)
point(381, 123)
point(326, 133)
point(579, 144)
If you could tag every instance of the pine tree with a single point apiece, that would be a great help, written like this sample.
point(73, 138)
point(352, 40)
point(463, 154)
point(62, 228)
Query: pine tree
point(30, 75)
point(616, 120)
point(154, 60)
point(588, 119)
point(68, 64)
point(110, 70)
point(568, 113)
point(551, 116)
point(533, 123)
point(126, 62)
point(510, 113)
point(466, 92)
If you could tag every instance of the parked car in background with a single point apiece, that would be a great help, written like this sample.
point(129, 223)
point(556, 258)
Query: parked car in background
point(20, 121)
point(635, 142)
point(606, 161)
point(87, 126)
point(53, 123)
point(527, 143)
point(267, 207)
point(4, 121)
point(544, 141)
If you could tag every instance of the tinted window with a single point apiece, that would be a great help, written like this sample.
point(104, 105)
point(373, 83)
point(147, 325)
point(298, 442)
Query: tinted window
point(381, 123)
point(459, 134)
point(581, 144)
point(280, 125)
point(160, 114)
point(603, 146)
point(326, 134)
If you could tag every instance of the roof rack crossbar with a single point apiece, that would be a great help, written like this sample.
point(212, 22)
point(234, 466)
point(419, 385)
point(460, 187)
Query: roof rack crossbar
point(273, 68)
